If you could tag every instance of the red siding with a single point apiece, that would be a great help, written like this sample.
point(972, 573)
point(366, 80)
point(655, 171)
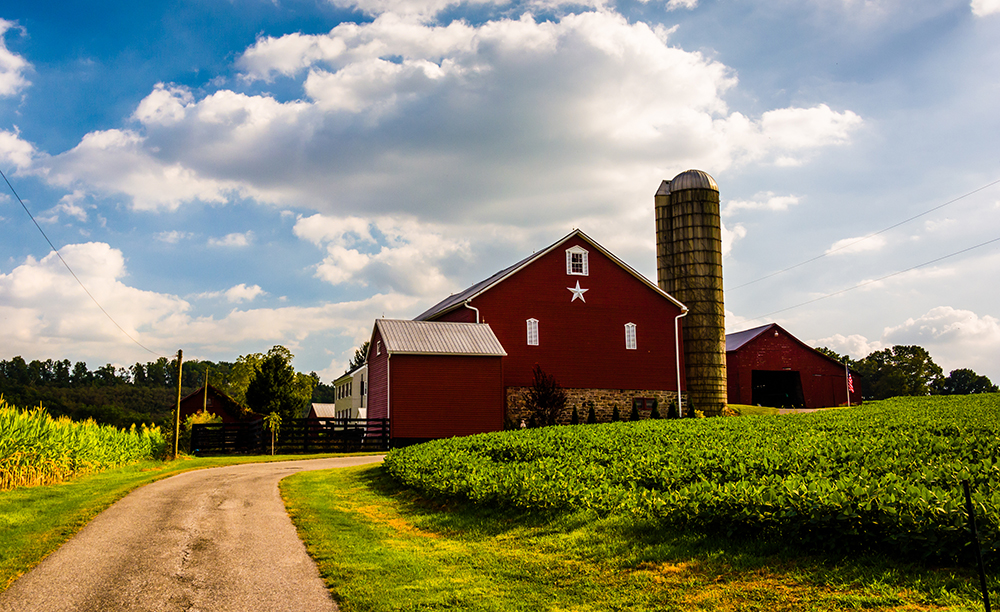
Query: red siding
point(581, 343)
point(822, 379)
point(438, 396)
point(378, 389)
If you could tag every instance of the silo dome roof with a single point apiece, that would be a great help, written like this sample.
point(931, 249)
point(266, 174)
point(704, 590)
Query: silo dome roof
point(693, 179)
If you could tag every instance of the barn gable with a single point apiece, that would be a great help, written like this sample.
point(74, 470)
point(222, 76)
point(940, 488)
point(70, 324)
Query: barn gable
point(768, 366)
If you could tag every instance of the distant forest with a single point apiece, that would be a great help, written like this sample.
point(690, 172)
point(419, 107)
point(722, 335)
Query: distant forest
point(142, 393)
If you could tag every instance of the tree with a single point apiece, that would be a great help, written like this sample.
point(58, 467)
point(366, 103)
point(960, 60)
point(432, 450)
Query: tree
point(276, 388)
point(655, 414)
point(966, 382)
point(360, 357)
point(634, 415)
point(544, 398)
point(615, 415)
point(900, 370)
point(836, 356)
point(591, 413)
point(575, 418)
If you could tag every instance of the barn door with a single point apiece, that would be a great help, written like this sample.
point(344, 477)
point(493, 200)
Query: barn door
point(778, 389)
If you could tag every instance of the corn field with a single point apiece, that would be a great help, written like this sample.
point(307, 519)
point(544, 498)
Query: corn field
point(36, 449)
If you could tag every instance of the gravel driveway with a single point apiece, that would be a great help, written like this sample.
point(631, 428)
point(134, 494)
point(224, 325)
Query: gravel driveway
point(209, 540)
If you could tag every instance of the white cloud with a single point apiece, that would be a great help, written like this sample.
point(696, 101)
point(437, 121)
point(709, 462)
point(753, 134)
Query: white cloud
point(982, 8)
point(242, 293)
point(67, 206)
point(16, 151)
point(955, 338)
point(12, 65)
point(232, 240)
point(410, 258)
point(681, 4)
point(117, 161)
point(762, 201)
point(730, 235)
point(859, 244)
point(855, 345)
point(173, 236)
point(607, 107)
point(45, 313)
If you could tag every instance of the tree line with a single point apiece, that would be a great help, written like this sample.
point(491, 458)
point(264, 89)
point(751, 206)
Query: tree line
point(907, 370)
point(146, 392)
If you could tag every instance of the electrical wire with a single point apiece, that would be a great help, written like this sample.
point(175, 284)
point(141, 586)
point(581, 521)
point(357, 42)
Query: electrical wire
point(875, 280)
point(863, 238)
point(59, 255)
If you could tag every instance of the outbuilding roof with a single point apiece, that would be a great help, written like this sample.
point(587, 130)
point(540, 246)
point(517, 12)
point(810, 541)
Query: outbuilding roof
point(738, 339)
point(325, 411)
point(438, 338)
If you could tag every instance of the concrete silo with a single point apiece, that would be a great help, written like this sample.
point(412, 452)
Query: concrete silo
point(689, 267)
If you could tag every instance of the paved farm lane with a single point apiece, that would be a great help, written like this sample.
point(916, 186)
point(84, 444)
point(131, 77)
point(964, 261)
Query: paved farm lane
point(211, 540)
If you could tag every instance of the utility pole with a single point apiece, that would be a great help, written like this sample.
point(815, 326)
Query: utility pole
point(177, 411)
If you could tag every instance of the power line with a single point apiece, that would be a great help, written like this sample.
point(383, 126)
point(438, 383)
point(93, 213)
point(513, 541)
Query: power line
point(59, 255)
point(862, 239)
point(869, 282)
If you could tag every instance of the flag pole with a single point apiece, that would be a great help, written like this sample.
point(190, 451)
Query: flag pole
point(847, 383)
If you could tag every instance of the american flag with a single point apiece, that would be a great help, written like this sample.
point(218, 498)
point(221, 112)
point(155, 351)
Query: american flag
point(850, 383)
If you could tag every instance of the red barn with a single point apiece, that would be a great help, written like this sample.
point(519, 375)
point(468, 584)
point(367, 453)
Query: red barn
point(435, 380)
point(768, 366)
point(606, 333)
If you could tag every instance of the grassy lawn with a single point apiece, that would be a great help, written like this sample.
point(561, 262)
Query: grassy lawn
point(379, 547)
point(747, 410)
point(34, 521)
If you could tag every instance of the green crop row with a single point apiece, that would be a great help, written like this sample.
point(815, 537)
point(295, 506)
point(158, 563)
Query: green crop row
point(36, 449)
point(882, 477)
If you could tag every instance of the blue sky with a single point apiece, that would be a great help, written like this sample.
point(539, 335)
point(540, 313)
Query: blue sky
point(229, 175)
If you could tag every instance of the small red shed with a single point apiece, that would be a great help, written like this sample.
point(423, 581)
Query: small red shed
point(767, 366)
point(218, 403)
point(434, 379)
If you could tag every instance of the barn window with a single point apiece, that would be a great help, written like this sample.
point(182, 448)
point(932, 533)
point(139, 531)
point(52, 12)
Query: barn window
point(378, 347)
point(630, 336)
point(532, 332)
point(576, 261)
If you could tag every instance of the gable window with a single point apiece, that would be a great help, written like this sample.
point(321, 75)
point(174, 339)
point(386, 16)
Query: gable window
point(630, 336)
point(378, 347)
point(576, 261)
point(532, 332)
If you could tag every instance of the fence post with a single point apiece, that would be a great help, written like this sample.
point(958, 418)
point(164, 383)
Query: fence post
point(975, 543)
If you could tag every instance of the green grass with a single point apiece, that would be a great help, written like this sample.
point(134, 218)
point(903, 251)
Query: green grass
point(747, 410)
point(34, 521)
point(381, 547)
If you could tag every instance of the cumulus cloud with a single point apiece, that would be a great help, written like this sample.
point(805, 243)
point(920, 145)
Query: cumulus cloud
point(232, 240)
point(982, 8)
point(449, 122)
point(16, 151)
point(407, 257)
point(854, 345)
point(236, 294)
point(68, 205)
point(767, 200)
point(12, 65)
point(44, 313)
point(954, 337)
point(730, 235)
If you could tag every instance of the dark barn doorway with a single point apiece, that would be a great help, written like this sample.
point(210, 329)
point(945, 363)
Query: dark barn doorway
point(782, 389)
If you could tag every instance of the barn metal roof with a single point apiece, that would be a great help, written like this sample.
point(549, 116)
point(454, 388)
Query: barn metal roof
point(456, 300)
point(439, 338)
point(738, 339)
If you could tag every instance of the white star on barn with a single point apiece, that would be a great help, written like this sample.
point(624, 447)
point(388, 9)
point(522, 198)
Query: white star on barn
point(577, 292)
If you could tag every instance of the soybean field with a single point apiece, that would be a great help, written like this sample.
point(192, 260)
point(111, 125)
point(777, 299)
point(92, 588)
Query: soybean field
point(884, 477)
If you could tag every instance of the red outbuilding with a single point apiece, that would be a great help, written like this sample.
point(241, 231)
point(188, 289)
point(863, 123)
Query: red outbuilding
point(435, 380)
point(767, 366)
point(602, 330)
point(211, 399)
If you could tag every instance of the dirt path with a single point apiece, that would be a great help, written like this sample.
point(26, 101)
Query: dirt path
point(209, 540)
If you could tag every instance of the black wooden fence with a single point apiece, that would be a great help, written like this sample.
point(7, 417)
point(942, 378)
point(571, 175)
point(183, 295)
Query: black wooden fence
point(295, 436)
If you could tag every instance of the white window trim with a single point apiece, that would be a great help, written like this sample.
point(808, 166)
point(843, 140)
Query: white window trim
point(577, 250)
point(630, 341)
point(532, 332)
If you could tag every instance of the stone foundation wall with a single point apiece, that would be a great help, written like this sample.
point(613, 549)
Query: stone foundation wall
point(604, 401)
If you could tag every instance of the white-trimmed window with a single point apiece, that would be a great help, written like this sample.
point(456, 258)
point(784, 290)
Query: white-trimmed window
point(378, 347)
point(576, 261)
point(630, 336)
point(532, 332)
